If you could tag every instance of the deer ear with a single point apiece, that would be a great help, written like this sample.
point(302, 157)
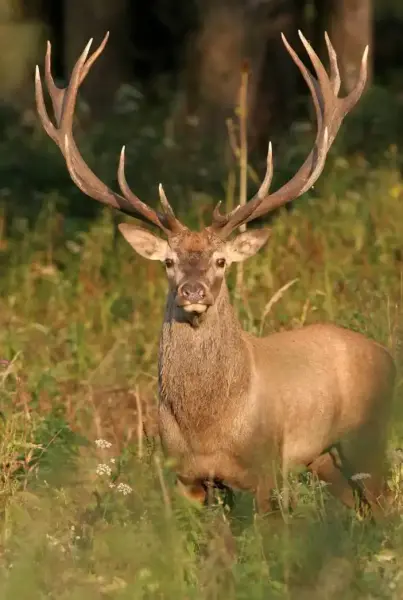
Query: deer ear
point(144, 242)
point(247, 244)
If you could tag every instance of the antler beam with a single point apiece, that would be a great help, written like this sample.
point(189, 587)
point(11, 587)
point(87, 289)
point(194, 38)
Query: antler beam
point(63, 103)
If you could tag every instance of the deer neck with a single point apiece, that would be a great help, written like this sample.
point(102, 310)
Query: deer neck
point(202, 369)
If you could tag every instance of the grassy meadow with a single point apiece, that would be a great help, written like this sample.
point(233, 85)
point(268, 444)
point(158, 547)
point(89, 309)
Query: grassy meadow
point(87, 502)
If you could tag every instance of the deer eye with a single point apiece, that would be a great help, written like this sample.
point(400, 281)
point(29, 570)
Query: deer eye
point(169, 263)
point(220, 262)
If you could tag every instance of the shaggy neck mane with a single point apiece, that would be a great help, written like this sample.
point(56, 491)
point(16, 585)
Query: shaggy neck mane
point(201, 368)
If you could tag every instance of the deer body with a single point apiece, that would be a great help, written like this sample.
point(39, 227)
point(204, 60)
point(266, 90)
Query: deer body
point(230, 401)
point(232, 405)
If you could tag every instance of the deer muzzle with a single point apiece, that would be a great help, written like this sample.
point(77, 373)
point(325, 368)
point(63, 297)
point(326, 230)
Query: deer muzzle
point(193, 296)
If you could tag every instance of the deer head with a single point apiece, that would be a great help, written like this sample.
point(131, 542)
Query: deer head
point(196, 262)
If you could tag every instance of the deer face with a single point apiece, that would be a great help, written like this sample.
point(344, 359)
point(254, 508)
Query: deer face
point(195, 262)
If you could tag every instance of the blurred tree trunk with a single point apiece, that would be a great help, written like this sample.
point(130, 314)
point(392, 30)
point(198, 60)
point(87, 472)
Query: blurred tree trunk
point(84, 19)
point(351, 29)
point(273, 101)
point(214, 61)
point(230, 32)
point(21, 38)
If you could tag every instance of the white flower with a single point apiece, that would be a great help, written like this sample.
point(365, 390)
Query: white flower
point(104, 444)
point(144, 573)
point(113, 460)
point(360, 476)
point(103, 469)
point(124, 489)
point(52, 541)
point(55, 543)
point(73, 246)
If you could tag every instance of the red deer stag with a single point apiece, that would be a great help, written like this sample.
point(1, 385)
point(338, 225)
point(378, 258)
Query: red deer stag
point(232, 405)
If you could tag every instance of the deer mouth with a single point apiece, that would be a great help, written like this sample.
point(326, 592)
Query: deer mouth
point(195, 308)
point(194, 298)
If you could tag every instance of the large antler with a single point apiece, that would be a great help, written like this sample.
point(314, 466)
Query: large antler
point(63, 102)
point(330, 112)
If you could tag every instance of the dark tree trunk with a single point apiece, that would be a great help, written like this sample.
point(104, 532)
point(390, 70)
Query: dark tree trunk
point(229, 33)
point(84, 19)
point(277, 78)
point(351, 29)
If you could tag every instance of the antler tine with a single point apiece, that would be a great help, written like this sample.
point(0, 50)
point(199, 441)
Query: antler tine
point(264, 188)
point(351, 100)
point(218, 218)
point(319, 155)
point(138, 205)
point(63, 103)
point(330, 111)
point(166, 221)
point(90, 61)
point(174, 224)
point(56, 94)
point(220, 221)
point(335, 80)
point(41, 107)
point(323, 78)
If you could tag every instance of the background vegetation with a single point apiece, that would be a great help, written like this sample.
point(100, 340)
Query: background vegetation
point(87, 503)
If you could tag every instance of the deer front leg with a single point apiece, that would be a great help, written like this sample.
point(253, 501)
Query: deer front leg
point(193, 490)
point(265, 498)
point(201, 492)
point(272, 495)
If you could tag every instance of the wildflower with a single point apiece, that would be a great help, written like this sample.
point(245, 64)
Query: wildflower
point(124, 489)
point(103, 469)
point(144, 573)
point(104, 444)
point(113, 460)
point(73, 246)
point(360, 476)
point(397, 456)
point(55, 543)
point(52, 541)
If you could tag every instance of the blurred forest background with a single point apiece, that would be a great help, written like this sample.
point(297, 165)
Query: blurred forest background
point(169, 78)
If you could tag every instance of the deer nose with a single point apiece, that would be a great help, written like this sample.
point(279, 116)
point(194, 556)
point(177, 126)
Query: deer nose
point(193, 291)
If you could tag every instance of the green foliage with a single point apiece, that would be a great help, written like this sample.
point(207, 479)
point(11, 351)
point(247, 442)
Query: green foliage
point(388, 8)
point(58, 444)
point(374, 126)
